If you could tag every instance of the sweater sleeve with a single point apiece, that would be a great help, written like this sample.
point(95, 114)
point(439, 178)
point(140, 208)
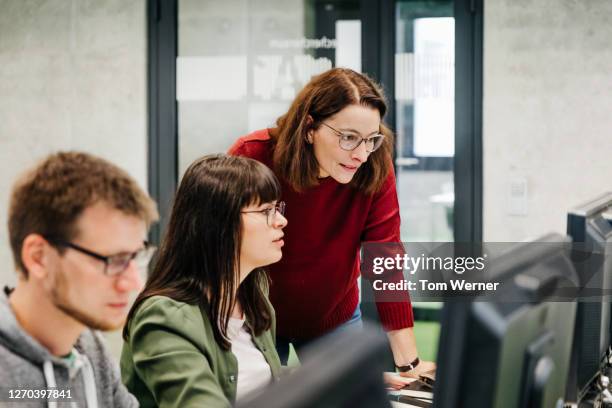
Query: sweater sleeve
point(169, 362)
point(110, 389)
point(383, 226)
point(120, 395)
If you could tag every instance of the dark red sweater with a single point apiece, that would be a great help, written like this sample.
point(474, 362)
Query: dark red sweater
point(314, 286)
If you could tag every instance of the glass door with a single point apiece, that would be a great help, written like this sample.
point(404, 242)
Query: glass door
point(425, 112)
point(241, 62)
point(219, 70)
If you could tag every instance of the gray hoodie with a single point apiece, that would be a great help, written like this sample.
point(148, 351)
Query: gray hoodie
point(91, 375)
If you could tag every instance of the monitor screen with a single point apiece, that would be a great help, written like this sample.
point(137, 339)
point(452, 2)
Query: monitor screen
point(591, 231)
point(513, 353)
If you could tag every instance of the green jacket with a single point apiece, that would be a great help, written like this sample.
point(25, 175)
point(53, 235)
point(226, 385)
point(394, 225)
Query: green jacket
point(171, 358)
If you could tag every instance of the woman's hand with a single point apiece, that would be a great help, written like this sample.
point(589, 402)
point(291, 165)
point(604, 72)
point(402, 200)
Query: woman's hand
point(394, 381)
point(403, 346)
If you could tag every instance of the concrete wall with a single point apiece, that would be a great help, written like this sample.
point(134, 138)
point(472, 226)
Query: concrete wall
point(72, 76)
point(547, 111)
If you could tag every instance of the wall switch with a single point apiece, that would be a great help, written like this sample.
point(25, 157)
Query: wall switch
point(517, 196)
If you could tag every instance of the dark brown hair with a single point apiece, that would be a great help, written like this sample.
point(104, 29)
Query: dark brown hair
point(199, 256)
point(48, 199)
point(324, 96)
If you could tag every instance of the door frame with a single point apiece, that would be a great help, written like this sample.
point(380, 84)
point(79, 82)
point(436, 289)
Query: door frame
point(378, 46)
point(162, 50)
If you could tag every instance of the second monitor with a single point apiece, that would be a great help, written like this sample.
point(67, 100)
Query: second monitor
point(512, 353)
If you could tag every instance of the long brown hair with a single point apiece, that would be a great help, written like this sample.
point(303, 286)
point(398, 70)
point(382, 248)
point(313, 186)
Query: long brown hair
point(199, 257)
point(324, 96)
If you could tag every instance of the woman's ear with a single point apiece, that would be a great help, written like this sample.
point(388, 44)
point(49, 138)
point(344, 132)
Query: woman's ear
point(309, 137)
point(310, 131)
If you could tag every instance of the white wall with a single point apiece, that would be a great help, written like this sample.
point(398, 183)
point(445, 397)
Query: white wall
point(547, 110)
point(72, 76)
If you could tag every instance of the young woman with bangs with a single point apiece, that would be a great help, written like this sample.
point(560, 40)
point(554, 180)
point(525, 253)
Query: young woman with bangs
point(333, 156)
point(202, 331)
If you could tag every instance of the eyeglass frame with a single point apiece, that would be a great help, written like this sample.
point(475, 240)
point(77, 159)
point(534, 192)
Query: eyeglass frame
point(107, 260)
point(363, 139)
point(270, 212)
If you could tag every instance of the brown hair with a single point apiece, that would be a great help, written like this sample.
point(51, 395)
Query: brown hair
point(324, 96)
point(199, 257)
point(48, 199)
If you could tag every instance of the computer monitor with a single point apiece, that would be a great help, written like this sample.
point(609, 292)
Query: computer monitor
point(514, 353)
point(591, 232)
point(340, 370)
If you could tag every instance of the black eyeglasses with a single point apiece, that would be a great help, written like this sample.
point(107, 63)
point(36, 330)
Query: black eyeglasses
point(114, 265)
point(351, 141)
point(270, 212)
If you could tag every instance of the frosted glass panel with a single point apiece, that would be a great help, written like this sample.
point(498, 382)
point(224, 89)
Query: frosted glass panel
point(241, 63)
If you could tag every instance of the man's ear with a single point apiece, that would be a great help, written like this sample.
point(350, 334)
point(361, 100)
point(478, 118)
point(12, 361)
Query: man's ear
point(35, 255)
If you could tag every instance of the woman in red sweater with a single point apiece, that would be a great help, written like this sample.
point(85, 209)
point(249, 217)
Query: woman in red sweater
point(333, 156)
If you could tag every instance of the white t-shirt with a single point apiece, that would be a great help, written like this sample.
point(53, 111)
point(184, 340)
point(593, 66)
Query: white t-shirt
point(253, 369)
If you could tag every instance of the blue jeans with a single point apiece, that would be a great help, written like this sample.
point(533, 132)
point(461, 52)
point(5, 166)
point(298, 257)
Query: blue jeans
point(354, 323)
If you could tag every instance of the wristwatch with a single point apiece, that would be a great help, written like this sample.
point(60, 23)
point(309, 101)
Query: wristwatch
point(409, 367)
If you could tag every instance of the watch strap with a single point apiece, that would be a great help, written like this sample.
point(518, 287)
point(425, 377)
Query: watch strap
point(411, 366)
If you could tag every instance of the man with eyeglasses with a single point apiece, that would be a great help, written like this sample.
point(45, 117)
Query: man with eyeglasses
point(77, 228)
